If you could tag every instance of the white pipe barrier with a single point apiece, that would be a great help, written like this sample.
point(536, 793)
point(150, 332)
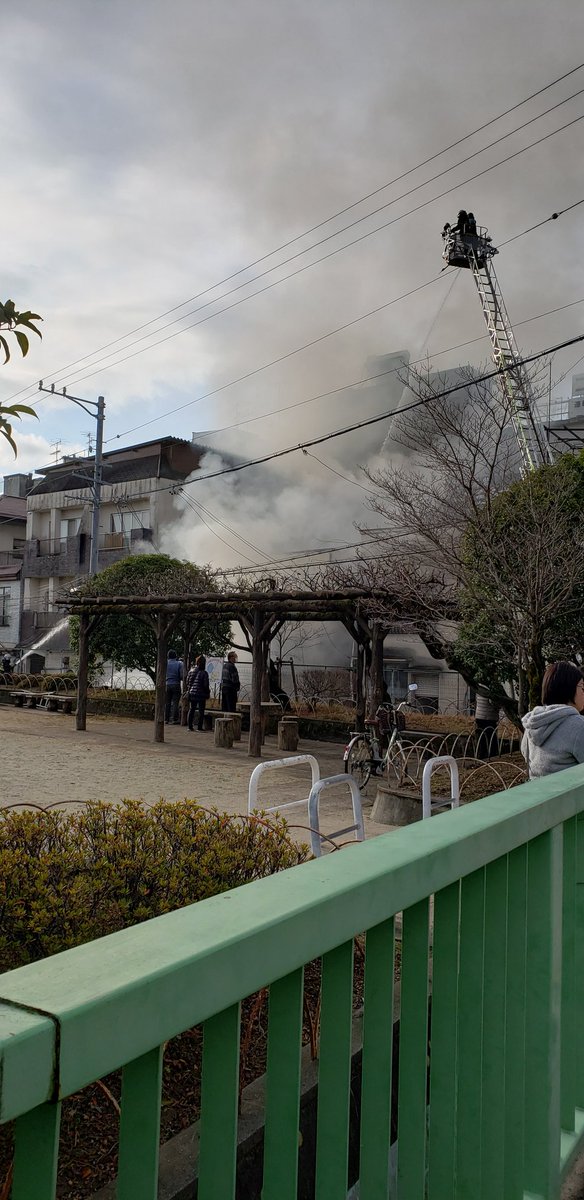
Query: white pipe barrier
point(313, 811)
point(440, 802)
point(295, 761)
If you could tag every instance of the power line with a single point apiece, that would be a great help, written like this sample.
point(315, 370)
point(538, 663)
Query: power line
point(323, 337)
point(199, 509)
point(299, 270)
point(323, 258)
point(281, 358)
point(339, 474)
point(371, 378)
point(319, 225)
point(385, 415)
point(553, 217)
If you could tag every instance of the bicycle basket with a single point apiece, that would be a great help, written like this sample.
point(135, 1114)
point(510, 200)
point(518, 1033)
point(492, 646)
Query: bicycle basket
point(400, 722)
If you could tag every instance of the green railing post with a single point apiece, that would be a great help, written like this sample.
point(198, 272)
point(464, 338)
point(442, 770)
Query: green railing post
point(443, 1028)
point(283, 1088)
point(36, 1149)
point(514, 1033)
point(413, 1053)
point(140, 1128)
point(219, 1104)
point(334, 1074)
point(570, 1016)
point(579, 958)
point(494, 992)
point(543, 1011)
point(470, 1036)
point(376, 1077)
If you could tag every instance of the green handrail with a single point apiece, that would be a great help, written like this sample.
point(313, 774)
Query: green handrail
point(498, 1112)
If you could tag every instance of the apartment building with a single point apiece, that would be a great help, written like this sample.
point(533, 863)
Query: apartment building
point(12, 541)
point(135, 504)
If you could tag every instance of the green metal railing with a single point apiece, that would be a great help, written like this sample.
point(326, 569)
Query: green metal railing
point(490, 1089)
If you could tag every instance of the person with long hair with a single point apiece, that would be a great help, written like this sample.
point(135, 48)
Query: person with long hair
point(199, 691)
point(554, 730)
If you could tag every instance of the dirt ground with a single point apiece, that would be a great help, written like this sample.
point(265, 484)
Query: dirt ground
point(46, 760)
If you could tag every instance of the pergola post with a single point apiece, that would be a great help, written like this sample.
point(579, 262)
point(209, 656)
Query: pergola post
point(86, 624)
point(186, 656)
point(257, 674)
point(162, 632)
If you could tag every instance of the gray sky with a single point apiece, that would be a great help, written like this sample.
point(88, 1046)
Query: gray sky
point(149, 151)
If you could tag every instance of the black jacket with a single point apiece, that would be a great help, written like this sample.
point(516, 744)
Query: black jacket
point(230, 676)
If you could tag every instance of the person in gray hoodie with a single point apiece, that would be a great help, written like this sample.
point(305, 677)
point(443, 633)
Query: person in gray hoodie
point(554, 730)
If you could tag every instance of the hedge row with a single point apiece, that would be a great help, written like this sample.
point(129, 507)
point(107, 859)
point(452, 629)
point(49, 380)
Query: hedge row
point(70, 877)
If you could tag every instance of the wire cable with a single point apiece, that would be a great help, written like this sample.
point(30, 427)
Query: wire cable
point(97, 368)
point(321, 224)
point(355, 383)
point(327, 437)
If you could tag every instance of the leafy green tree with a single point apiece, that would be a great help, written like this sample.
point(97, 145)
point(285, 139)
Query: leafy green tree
point(130, 642)
point(15, 323)
point(521, 595)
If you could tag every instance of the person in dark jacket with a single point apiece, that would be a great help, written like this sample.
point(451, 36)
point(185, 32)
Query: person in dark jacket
point(230, 684)
point(199, 691)
point(174, 674)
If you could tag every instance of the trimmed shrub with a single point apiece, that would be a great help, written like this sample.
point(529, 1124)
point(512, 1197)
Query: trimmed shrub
point(67, 878)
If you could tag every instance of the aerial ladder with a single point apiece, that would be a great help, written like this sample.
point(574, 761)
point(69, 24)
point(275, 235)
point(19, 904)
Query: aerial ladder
point(468, 245)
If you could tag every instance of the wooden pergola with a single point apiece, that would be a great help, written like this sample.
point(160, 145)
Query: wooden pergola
point(261, 614)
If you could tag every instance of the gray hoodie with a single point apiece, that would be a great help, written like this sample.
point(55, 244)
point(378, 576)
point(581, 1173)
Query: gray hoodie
point(553, 739)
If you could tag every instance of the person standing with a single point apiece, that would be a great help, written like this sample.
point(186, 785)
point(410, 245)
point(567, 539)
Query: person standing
point(199, 691)
point(486, 722)
point(230, 684)
point(554, 730)
point(174, 674)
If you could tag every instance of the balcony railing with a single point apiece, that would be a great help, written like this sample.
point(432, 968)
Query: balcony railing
point(490, 1089)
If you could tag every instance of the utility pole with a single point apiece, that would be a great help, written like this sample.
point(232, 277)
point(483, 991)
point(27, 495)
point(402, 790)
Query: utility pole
point(95, 409)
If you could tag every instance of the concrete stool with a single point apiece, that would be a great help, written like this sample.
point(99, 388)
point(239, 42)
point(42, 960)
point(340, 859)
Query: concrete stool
point(224, 732)
point(288, 734)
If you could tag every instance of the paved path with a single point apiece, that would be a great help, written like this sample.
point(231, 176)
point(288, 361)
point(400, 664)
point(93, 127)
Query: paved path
point(45, 759)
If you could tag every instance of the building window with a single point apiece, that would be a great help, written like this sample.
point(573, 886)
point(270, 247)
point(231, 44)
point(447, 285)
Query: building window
point(5, 595)
point(69, 527)
point(124, 522)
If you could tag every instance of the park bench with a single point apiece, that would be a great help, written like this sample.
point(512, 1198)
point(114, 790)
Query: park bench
point(51, 701)
point(212, 714)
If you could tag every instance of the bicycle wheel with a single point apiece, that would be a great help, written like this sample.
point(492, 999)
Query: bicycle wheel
point(358, 762)
point(396, 766)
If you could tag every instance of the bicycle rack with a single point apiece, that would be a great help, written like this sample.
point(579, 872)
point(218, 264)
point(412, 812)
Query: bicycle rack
point(313, 811)
point(273, 764)
point(429, 805)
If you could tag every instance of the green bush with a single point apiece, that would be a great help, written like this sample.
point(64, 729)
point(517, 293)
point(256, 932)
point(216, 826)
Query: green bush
point(66, 878)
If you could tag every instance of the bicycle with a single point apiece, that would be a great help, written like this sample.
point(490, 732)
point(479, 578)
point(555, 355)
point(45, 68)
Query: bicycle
point(363, 756)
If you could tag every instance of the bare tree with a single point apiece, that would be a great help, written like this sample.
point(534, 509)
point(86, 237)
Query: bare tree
point(461, 538)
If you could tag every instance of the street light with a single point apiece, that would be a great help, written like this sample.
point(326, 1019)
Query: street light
point(95, 409)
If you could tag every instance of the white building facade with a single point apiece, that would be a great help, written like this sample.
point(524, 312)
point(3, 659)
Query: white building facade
point(135, 503)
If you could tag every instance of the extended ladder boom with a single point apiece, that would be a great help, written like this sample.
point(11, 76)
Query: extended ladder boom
point(471, 247)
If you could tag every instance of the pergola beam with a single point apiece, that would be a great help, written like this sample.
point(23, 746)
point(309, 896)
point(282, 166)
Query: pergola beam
point(260, 615)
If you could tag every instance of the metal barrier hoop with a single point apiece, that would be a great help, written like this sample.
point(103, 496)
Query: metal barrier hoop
point(295, 761)
point(313, 811)
point(445, 760)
